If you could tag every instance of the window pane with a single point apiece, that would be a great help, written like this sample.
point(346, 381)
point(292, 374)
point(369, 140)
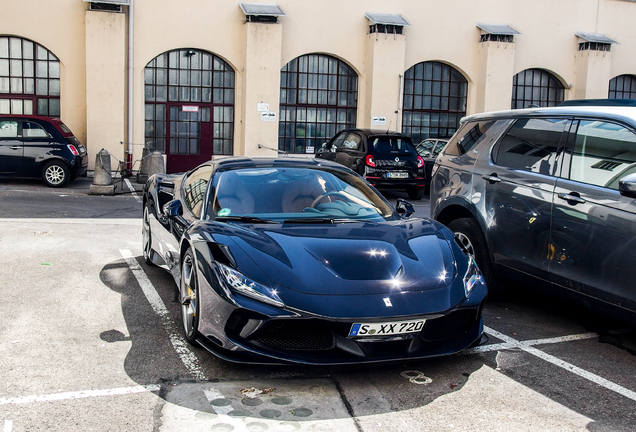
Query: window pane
point(603, 154)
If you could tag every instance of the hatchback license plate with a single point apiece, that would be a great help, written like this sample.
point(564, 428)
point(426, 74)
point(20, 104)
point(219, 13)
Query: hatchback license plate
point(397, 175)
point(386, 328)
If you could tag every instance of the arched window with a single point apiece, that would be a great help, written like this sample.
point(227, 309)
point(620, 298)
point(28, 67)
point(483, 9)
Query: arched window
point(622, 87)
point(434, 100)
point(318, 97)
point(536, 87)
point(189, 112)
point(29, 78)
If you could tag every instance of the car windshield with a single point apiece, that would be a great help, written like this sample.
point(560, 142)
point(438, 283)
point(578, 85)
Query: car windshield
point(282, 194)
point(393, 146)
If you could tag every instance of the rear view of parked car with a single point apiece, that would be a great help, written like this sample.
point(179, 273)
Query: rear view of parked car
point(40, 147)
point(547, 195)
point(387, 160)
point(428, 149)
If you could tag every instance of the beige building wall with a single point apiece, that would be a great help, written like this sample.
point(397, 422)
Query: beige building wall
point(106, 83)
point(438, 31)
point(261, 84)
point(384, 68)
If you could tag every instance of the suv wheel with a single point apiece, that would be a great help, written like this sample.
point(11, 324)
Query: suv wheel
point(470, 236)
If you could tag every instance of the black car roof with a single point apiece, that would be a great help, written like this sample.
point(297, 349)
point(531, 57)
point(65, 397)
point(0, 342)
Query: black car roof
point(243, 161)
point(376, 132)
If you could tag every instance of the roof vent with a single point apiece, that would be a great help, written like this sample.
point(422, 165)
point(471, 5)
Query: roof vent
point(107, 5)
point(497, 33)
point(594, 42)
point(386, 23)
point(261, 12)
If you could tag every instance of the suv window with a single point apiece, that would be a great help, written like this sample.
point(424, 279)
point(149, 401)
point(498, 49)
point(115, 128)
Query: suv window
point(603, 153)
point(469, 136)
point(531, 145)
point(195, 187)
point(392, 146)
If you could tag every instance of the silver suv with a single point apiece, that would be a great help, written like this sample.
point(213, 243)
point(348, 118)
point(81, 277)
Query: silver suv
point(546, 195)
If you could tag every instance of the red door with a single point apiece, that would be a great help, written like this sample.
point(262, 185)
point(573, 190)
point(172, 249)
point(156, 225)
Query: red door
point(189, 138)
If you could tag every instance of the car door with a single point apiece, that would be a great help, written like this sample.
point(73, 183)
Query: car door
point(11, 147)
point(37, 143)
point(593, 246)
point(351, 152)
point(328, 151)
point(518, 187)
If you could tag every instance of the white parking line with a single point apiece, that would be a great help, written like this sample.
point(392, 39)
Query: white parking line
point(563, 364)
point(178, 342)
point(8, 425)
point(132, 189)
point(506, 345)
point(77, 395)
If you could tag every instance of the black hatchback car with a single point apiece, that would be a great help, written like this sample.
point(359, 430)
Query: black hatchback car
point(40, 147)
point(387, 160)
point(547, 196)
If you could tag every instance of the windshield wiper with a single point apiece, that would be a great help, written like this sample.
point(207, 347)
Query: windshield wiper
point(246, 219)
point(318, 220)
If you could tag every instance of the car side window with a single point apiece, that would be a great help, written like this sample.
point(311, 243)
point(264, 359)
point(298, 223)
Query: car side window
point(8, 129)
point(33, 130)
point(468, 137)
point(337, 142)
point(531, 145)
point(352, 142)
point(195, 187)
point(603, 153)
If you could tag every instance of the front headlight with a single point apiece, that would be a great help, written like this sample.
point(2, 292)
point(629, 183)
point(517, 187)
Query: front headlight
point(472, 277)
point(246, 286)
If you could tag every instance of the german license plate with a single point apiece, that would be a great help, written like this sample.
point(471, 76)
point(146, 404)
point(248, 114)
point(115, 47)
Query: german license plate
point(386, 328)
point(397, 175)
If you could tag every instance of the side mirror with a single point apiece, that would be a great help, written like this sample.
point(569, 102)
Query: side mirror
point(627, 186)
point(404, 208)
point(173, 209)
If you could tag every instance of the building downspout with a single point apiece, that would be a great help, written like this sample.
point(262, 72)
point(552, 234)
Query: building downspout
point(129, 151)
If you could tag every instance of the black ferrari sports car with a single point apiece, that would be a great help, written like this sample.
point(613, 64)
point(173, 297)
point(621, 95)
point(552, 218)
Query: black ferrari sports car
point(302, 261)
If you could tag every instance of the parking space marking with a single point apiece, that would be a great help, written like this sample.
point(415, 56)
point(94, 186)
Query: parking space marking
point(562, 364)
point(178, 342)
point(78, 395)
point(8, 425)
point(532, 342)
point(132, 189)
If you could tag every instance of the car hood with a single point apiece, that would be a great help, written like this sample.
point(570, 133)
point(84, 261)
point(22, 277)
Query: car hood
point(346, 258)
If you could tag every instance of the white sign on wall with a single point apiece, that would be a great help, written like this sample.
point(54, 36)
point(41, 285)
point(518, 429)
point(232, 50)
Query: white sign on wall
point(268, 116)
point(263, 107)
point(378, 121)
point(309, 149)
point(189, 108)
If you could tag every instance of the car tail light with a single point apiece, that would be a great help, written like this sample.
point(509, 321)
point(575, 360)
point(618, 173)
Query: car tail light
point(73, 150)
point(420, 162)
point(369, 161)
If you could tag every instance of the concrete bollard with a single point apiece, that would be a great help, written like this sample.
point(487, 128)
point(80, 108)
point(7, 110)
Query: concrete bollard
point(103, 178)
point(150, 164)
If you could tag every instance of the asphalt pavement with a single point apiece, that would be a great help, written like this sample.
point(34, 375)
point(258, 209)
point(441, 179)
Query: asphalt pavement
point(91, 340)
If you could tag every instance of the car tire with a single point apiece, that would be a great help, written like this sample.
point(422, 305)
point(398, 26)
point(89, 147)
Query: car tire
point(189, 297)
point(146, 235)
point(55, 174)
point(471, 237)
point(416, 193)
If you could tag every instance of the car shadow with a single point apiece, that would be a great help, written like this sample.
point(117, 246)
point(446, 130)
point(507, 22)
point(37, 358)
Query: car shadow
point(401, 386)
point(152, 359)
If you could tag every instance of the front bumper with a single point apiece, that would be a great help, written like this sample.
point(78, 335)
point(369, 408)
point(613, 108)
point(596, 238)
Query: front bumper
point(246, 335)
